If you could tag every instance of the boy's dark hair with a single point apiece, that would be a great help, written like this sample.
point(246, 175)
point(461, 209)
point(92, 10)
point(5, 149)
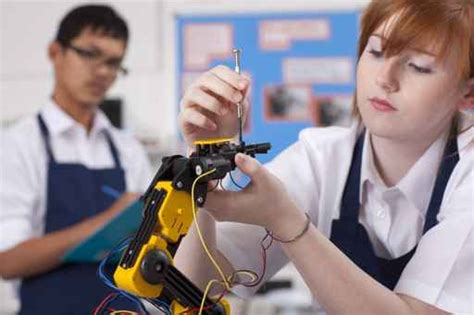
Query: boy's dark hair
point(100, 18)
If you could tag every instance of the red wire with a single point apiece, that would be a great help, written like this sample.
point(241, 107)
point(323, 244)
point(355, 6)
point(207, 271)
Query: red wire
point(102, 303)
point(264, 260)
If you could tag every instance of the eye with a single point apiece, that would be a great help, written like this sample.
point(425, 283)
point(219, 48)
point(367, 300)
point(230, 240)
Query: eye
point(420, 69)
point(90, 54)
point(376, 53)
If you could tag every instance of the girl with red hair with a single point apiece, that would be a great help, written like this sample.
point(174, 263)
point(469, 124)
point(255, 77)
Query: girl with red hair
point(377, 218)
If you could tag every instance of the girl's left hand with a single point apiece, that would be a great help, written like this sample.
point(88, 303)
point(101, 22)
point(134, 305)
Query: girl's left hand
point(263, 202)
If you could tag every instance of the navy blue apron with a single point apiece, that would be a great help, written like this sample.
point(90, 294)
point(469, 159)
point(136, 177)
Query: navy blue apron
point(73, 194)
point(352, 238)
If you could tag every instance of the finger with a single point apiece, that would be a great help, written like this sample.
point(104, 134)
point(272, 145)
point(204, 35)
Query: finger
point(248, 165)
point(205, 100)
point(221, 203)
point(213, 83)
point(246, 107)
point(238, 81)
point(192, 117)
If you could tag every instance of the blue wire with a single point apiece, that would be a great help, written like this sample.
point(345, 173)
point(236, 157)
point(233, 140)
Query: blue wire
point(102, 275)
point(109, 282)
point(111, 191)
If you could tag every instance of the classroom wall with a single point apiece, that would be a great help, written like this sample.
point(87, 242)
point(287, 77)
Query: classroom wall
point(149, 92)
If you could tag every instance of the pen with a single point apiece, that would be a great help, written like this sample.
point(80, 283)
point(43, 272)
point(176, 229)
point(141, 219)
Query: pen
point(114, 193)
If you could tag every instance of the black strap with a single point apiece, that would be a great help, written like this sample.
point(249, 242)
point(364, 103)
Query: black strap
point(350, 209)
point(45, 134)
point(113, 149)
point(450, 159)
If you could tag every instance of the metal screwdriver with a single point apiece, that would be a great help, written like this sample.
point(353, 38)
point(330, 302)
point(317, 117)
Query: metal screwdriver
point(237, 52)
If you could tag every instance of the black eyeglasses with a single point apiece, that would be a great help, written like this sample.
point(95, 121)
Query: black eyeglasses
point(95, 58)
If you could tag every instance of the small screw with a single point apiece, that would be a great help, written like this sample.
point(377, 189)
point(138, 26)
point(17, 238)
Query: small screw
point(198, 170)
point(179, 184)
point(158, 267)
point(236, 53)
point(200, 200)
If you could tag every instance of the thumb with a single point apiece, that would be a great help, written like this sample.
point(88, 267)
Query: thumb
point(248, 165)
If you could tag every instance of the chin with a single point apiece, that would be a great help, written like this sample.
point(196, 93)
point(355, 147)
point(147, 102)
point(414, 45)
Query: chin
point(91, 101)
point(388, 130)
point(383, 126)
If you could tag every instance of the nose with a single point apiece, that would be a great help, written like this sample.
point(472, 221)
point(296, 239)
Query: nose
point(105, 70)
point(387, 76)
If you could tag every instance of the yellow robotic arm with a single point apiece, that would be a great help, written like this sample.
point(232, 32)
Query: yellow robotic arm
point(146, 267)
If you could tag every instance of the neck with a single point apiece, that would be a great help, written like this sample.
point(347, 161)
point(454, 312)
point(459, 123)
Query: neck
point(81, 113)
point(394, 158)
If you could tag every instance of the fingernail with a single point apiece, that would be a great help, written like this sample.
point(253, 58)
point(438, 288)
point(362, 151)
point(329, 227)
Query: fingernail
point(242, 158)
point(242, 84)
point(212, 126)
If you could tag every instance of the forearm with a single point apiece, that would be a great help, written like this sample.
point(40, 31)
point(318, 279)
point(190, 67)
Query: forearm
point(42, 254)
point(191, 257)
point(340, 286)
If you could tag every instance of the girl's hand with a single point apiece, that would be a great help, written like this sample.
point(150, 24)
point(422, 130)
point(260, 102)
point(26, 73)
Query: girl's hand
point(263, 202)
point(208, 107)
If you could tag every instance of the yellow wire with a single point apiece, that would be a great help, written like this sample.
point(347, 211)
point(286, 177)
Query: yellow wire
point(208, 287)
point(206, 249)
point(123, 312)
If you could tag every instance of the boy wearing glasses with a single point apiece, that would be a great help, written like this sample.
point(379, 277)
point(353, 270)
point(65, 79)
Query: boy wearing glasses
point(56, 164)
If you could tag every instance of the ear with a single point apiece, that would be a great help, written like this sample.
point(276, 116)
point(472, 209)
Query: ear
point(54, 50)
point(467, 101)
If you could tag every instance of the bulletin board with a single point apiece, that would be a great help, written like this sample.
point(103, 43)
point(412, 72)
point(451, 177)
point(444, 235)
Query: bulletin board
point(302, 67)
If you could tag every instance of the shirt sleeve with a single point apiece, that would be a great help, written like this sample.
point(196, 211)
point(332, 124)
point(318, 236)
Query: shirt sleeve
point(241, 243)
point(441, 272)
point(19, 190)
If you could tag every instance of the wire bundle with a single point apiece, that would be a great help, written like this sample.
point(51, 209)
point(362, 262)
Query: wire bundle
point(106, 303)
point(227, 281)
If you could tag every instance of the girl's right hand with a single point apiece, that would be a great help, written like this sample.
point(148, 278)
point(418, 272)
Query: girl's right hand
point(209, 105)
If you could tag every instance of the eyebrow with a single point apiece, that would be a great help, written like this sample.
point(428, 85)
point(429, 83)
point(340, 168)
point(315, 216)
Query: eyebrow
point(419, 50)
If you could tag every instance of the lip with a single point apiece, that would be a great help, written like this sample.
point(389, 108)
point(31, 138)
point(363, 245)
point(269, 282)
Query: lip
point(381, 105)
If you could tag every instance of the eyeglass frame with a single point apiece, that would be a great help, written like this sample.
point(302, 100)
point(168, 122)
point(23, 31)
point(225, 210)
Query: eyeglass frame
point(95, 55)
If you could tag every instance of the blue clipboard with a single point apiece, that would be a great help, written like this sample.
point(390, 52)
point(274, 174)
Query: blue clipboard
point(99, 244)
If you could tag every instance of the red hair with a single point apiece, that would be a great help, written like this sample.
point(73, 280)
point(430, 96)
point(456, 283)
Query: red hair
point(419, 24)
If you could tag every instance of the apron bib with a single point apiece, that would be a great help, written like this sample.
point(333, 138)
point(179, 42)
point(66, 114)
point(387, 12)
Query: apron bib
point(351, 237)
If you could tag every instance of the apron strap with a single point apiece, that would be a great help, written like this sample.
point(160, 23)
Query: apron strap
point(113, 149)
point(450, 159)
point(47, 142)
point(46, 139)
point(350, 199)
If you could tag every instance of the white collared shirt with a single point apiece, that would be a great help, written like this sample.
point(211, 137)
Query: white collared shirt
point(23, 167)
point(314, 171)
point(23, 171)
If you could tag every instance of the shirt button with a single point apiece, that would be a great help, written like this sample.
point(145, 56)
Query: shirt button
point(381, 213)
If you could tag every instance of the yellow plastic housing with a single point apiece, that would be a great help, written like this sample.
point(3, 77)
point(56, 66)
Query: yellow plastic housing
point(131, 279)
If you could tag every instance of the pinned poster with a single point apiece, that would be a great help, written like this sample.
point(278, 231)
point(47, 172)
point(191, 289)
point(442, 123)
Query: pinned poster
point(280, 34)
point(205, 42)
